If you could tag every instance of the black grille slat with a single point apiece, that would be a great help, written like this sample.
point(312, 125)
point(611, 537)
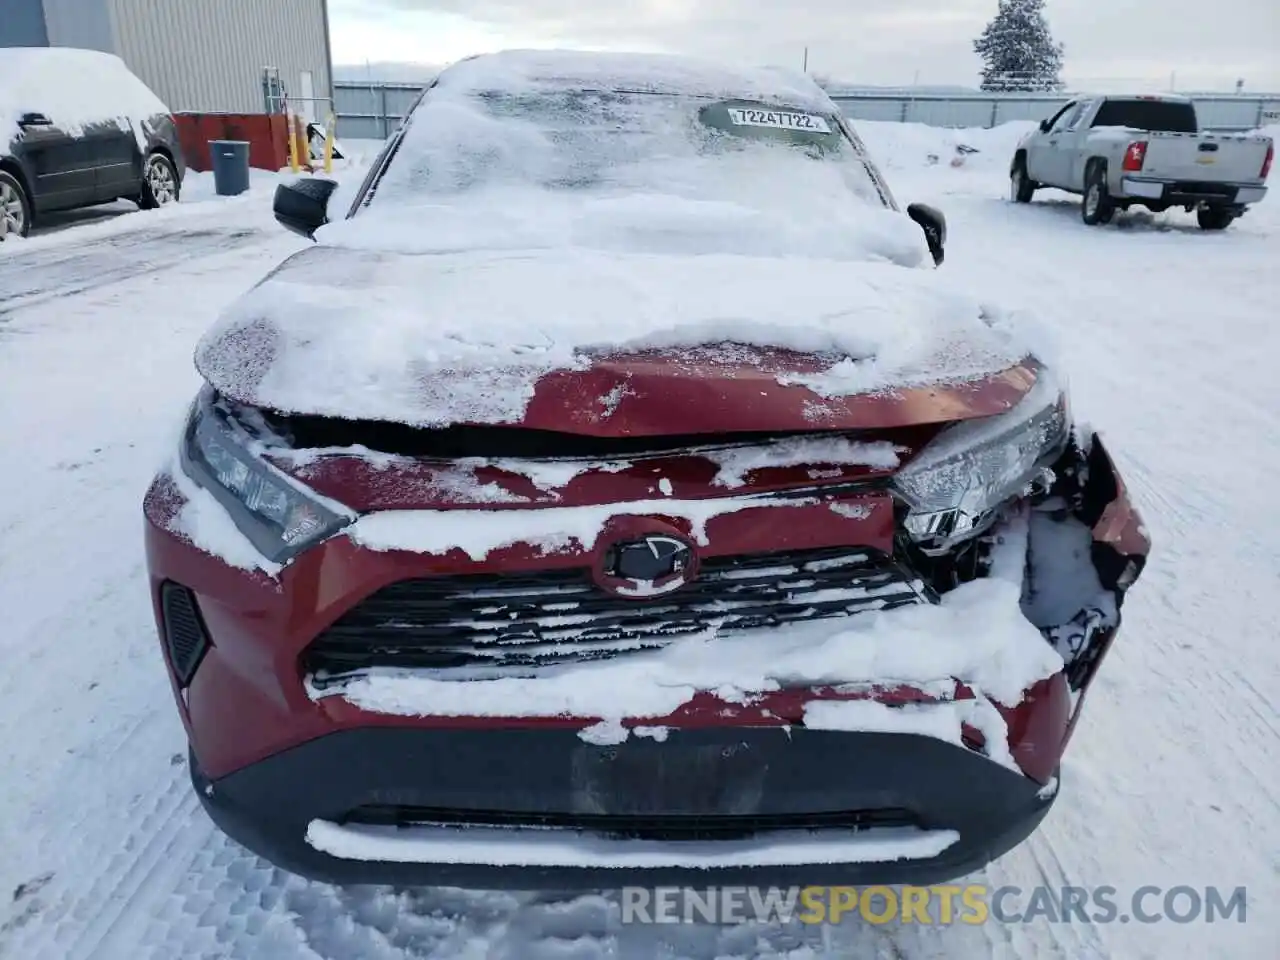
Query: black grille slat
point(531, 619)
point(638, 827)
point(184, 631)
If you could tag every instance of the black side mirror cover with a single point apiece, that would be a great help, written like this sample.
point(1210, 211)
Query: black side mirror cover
point(302, 206)
point(934, 225)
point(1044, 126)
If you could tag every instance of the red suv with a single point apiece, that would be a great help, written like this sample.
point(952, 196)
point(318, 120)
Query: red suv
point(617, 493)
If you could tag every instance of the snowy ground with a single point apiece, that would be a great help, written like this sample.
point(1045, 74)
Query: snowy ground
point(1174, 778)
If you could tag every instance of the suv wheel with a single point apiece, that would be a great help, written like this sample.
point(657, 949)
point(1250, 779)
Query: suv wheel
point(159, 183)
point(15, 208)
point(1096, 207)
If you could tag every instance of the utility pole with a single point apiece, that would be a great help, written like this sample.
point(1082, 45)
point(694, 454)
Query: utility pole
point(806, 59)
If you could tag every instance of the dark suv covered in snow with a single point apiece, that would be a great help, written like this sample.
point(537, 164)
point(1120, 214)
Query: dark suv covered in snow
point(618, 493)
point(77, 128)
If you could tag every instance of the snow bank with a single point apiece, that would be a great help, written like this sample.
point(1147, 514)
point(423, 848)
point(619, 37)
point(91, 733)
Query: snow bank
point(910, 146)
point(73, 88)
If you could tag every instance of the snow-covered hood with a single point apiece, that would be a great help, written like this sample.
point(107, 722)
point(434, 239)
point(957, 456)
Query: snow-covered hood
point(612, 343)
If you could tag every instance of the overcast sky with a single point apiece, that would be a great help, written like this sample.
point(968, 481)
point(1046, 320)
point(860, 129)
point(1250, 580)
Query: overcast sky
point(1206, 43)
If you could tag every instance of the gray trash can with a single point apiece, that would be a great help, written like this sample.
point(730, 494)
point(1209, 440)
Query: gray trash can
point(230, 166)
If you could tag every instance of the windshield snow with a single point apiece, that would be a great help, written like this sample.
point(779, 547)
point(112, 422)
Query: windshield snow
point(635, 171)
point(611, 140)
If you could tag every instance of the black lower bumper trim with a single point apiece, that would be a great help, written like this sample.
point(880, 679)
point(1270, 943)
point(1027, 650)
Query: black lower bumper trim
point(698, 784)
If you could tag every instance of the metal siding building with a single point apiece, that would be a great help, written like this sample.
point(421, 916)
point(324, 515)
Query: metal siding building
point(79, 23)
point(197, 55)
point(23, 24)
point(208, 55)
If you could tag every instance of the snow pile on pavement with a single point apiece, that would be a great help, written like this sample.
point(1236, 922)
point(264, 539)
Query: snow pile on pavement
point(73, 88)
point(909, 146)
point(109, 222)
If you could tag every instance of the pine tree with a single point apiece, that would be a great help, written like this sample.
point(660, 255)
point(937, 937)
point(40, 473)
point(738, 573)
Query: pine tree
point(1017, 50)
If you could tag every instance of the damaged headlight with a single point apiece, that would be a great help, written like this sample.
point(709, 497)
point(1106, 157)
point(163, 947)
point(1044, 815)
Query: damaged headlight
point(278, 515)
point(956, 483)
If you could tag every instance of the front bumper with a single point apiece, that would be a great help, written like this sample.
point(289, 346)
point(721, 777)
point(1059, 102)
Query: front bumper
point(385, 797)
point(539, 808)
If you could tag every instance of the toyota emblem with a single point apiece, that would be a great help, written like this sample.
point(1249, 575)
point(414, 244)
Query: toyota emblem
point(647, 566)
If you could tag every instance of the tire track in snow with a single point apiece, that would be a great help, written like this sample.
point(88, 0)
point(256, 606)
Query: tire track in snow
point(1176, 761)
point(30, 279)
point(102, 809)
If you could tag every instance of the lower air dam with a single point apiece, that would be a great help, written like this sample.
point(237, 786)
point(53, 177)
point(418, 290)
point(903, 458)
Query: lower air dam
point(534, 847)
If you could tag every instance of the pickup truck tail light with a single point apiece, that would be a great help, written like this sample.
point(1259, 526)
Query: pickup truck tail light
point(1135, 156)
point(1266, 163)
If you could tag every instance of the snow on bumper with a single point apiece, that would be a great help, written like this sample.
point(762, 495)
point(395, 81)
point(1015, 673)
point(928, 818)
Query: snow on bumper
point(548, 848)
point(977, 635)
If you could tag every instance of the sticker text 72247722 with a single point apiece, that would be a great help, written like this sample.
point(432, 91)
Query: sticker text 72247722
point(779, 119)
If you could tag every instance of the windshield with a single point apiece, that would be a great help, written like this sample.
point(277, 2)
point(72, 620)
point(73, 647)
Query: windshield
point(663, 173)
point(607, 141)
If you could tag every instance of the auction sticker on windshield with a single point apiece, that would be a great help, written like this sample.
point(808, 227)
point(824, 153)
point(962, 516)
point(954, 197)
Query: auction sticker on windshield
point(779, 119)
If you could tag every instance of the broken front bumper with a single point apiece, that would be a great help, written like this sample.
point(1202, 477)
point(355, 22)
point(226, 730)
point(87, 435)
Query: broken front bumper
point(527, 808)
point(335, 792)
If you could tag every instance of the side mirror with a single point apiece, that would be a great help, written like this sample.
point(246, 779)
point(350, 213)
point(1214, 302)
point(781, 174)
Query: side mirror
point(1044, 126)
point(35, 120)
point(934, 225)
point(302, 206)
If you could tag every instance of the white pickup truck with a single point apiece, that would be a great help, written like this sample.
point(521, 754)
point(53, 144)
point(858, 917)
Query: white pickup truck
point(1120, 151)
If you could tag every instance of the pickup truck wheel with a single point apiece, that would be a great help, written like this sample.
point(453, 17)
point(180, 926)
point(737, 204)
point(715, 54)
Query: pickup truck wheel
point(1214, 218)
point(1096, 207)
point(1021, 187)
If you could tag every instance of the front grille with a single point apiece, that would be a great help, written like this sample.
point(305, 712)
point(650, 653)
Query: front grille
point(184, 632)
point(633, 827)
point(524, 620)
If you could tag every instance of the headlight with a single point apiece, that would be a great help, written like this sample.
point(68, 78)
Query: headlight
point(278, 515)
point(955, 484)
